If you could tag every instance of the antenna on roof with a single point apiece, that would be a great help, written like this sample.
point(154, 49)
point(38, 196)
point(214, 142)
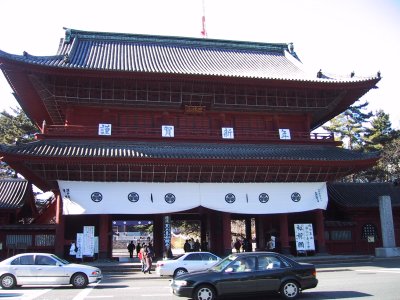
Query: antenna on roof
point(203, 21)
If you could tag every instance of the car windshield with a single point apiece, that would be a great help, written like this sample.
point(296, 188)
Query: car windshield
point(63, 261)
point(223, 263)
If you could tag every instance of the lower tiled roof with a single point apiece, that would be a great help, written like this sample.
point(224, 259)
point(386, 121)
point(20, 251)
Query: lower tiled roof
point(12, 192)
point(360, 195)
point(167, 150)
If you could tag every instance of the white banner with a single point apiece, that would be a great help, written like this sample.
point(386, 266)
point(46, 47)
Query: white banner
point(149, 198)
point(304, 237)
point(88, 241)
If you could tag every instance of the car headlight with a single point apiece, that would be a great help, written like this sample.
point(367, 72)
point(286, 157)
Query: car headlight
point(180, 282)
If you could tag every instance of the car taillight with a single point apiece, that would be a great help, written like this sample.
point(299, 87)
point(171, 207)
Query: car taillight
point(314, 273)
point(160, 264)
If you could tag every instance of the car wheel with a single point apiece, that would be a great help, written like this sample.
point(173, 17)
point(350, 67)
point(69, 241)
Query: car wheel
point(204, 292)
point(79, 281)
point(8, 281)
point(179, 272)
point(290, 290)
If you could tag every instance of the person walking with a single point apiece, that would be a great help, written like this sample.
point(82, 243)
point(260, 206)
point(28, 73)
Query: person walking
point(142, 259)
point(138, 247)
point(149, 255)
point(131, 248)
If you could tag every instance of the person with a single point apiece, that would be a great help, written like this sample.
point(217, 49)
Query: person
point(196, 245)
point(271, 244)
point(72, 250)
point(245, 245)
point(149, 255)
point(138, 247)
point(186, 246)
point(191, 243)
point(142, 259)
point(237, 246)
point(131, 248)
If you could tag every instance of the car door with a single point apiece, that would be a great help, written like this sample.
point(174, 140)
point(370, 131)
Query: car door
point(208, 260)
point(269, 272)
point(48, 271)
point(238, 277)
point(23, 269)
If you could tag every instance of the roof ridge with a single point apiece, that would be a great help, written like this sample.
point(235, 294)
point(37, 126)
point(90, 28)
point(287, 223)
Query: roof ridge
point(70, 34)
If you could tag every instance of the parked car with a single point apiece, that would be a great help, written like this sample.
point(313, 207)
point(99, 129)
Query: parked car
point(45, 269)
point(188, 262)
point(245, 273)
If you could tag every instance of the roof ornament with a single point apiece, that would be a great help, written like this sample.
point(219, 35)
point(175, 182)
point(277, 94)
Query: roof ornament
point(291, 48)
point(352, 74)
point(378, 74)
point(67, 38)
point(319, 74)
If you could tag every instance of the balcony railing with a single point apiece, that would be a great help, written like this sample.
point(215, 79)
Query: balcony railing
point(181, 134)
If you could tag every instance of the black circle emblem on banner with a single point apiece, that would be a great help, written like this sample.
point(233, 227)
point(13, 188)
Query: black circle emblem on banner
point(263, 197)
point(133, 197)
point(230, 198)
point(96, 197)
point(296, 197)
point(169, 198)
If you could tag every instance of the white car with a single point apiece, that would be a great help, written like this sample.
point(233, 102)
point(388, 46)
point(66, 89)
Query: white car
point(188, 262)
point(45, 269)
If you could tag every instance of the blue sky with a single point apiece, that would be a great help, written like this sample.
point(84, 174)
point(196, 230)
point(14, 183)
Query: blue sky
point(337, 36)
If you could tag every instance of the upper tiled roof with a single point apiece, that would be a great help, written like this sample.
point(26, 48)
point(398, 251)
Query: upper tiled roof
point(164, 150)
point(12, 192)
point(360, 195)
point(176, 55)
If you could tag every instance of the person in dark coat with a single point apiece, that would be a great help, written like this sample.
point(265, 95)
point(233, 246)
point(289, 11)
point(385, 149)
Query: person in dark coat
point(138, 247)
point(131, 248)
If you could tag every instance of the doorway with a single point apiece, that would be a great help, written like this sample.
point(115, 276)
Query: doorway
point(125, 231)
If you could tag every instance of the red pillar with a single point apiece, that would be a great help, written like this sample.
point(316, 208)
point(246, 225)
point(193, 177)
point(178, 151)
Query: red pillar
point(320, 230)
point(226, 233)
point(284, 234)
point(104, 237)
point(158, 235)
point(60, 227)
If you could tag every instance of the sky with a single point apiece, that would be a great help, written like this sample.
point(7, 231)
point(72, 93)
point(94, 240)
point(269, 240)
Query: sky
point(336, 36)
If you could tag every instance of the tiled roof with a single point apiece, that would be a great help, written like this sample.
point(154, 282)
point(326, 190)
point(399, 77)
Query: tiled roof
point(362, 194)
point(12, 193)
point(176, 55)
point(165, 150)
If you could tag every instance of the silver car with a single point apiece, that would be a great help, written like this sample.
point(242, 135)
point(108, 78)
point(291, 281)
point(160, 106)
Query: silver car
point(45, 269)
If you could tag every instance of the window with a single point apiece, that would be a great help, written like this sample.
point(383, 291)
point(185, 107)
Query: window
point(23, 260)
point(45, 260)
point(270, 262)
point(207, 256)
point(340, 235)
point(369, 230)
point(194, 256)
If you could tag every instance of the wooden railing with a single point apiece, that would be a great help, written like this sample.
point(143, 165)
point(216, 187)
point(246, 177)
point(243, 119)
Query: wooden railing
point(181, 134)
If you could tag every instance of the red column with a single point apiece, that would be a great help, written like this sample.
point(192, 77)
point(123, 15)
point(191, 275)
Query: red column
point(319, 220)
point(104, 237)
point(59, 239)
point(158, 235)
point(284, 234)
point(226, 233)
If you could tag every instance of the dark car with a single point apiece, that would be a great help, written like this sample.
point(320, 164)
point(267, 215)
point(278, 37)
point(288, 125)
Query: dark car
point(245, 273)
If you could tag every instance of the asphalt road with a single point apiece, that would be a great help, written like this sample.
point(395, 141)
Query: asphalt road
point(369, 280)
